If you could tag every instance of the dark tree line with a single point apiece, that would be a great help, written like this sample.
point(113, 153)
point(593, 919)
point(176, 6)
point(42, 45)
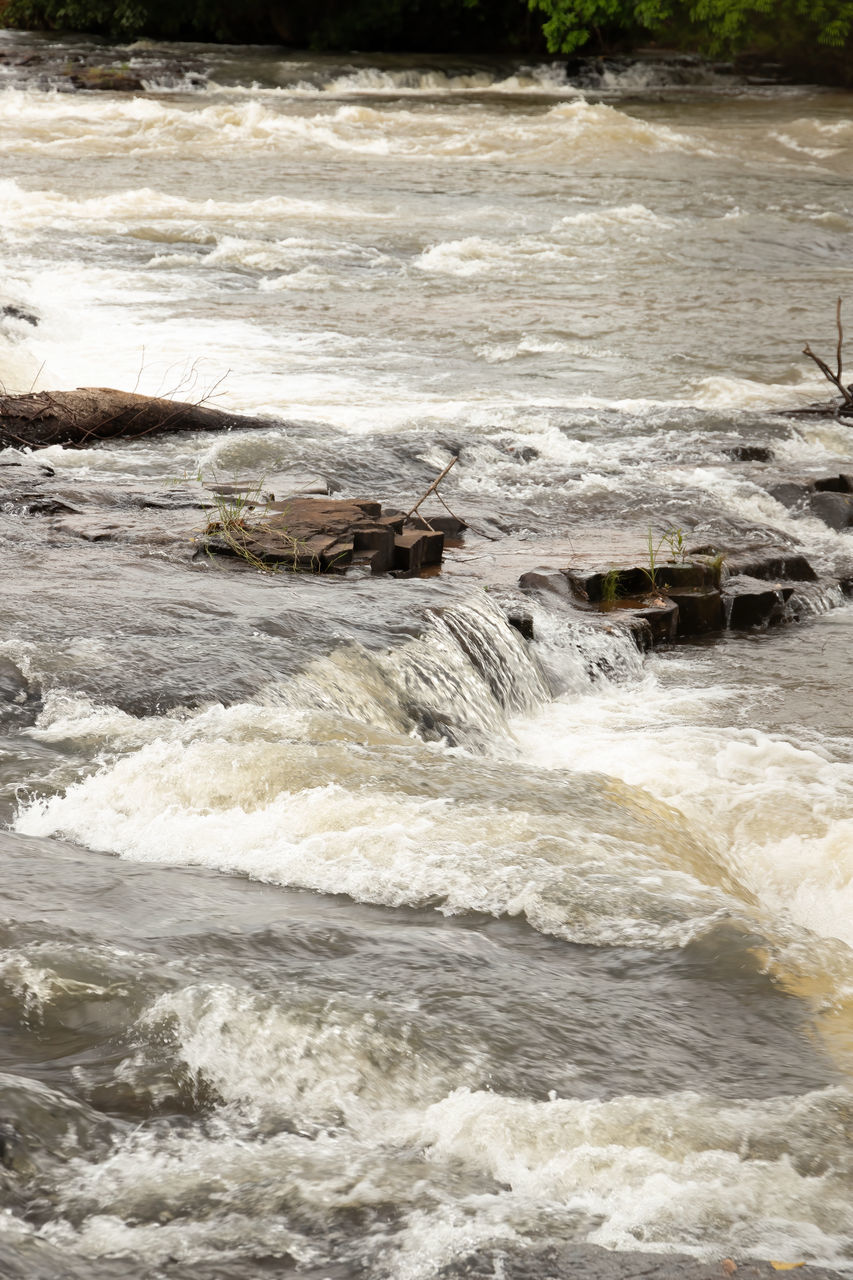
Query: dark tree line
point(806, 31)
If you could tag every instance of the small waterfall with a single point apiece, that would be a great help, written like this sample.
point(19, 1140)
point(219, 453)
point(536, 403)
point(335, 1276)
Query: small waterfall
point(457, 682)
point(466, 675)
point(813, 598)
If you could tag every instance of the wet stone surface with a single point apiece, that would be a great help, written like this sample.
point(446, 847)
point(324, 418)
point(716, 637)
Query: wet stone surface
point(586, 1262)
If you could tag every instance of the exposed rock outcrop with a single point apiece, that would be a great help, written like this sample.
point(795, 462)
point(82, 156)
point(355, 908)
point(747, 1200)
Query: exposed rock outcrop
point(325, 535)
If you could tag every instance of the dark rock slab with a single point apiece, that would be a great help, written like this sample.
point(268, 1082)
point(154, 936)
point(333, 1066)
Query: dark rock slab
point(699, 610)
point(373, 546)
point(107, 78)
point(749, 602)
point(833, 508)
point(653, 618)
point(769, 564)
point(834, 484)
point(749, 453)
point(661, 617)
point(450, 526)
point(789, 493)
point(547, 580)
point(634, 580)
point(416, 550)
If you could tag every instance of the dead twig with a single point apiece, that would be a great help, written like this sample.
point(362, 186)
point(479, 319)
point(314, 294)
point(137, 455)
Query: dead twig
point(432, 489)
point(834, 378)
point(38, 375)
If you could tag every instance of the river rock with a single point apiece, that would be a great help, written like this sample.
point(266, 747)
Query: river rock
point(749, 602)
point(749, 453)
point(18, 313)
point(553, 581)
point(637, 580)
point(115, 79)
point(769, 564)
point(699, 610)
point(833, 508)
point(789, 493)
point(658, 613)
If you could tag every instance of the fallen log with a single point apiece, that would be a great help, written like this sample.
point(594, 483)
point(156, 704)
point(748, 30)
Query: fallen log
point(89, 414)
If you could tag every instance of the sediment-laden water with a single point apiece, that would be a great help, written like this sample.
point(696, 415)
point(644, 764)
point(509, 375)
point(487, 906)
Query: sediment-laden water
point(345, 932)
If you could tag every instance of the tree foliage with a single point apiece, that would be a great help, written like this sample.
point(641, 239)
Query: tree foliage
point(712, 26)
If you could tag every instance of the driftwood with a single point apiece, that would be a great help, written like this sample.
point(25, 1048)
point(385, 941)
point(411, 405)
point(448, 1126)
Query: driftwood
point(89, 414)
point(846, 406)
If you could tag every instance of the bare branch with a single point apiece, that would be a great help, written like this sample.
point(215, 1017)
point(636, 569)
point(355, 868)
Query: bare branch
point(432, 488)
point(38, 375)
point(840, 340)
point(827, 373)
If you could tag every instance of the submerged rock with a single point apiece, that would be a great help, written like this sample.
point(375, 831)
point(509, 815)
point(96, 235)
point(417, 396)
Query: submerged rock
point(749, 453)
point(115, 79)
point(833, 508)
point(830, 498)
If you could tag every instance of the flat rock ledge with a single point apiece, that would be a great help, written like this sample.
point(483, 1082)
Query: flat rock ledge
point(326, 535)
point(582, 1261)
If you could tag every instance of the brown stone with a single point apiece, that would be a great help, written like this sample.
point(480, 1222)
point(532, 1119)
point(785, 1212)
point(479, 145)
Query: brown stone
point(450, 526)
point(545, 580)
point(661, 615)
point(113, 79)
point(415, 550)
point(326, 535)
point(379, 542)
point(749, 453)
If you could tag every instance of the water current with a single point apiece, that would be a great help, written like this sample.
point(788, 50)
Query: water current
point(344, 931)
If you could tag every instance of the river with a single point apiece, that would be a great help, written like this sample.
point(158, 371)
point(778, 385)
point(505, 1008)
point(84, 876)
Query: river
point(344, 932)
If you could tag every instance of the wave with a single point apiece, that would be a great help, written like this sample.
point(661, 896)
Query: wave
point(166, 217)
point(545, 79)
point(299, 791)
point(324, 1114)
point(577, 129)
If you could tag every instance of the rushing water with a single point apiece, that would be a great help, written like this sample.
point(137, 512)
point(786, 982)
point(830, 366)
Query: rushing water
point(345, 932)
